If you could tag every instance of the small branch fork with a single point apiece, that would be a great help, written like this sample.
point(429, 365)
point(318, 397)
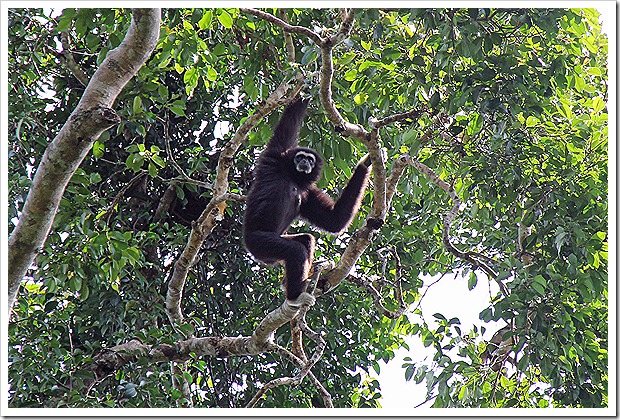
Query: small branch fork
point(300, 359)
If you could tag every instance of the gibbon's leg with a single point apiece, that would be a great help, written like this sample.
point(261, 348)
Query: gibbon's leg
point(295, 250)
point(297, 271)
point(306, 240)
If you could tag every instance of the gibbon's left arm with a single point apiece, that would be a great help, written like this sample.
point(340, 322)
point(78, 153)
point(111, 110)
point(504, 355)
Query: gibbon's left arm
point(320, 210)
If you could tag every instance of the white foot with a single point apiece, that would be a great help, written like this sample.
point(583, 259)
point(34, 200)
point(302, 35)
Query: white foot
point(303, 299)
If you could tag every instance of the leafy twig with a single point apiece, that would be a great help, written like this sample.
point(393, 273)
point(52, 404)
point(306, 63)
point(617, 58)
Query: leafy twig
point(473, 257)
point(184, 176)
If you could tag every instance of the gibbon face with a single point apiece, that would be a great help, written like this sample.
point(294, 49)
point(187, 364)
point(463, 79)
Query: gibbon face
point(304, 162)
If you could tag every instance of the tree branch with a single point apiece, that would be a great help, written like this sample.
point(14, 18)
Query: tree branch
point(70, 63)
point(327, 399)
point(164, 203)
point(288, 39)
point(326, 75)
point(180, 382)
point(301, 30)
point(414, 114)
point(91, 117)
point(379, 206)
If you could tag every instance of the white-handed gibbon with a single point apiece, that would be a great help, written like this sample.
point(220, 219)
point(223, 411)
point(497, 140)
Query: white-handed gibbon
point(283, 190)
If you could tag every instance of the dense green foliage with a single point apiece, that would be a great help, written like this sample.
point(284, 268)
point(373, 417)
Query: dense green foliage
point(524, 143)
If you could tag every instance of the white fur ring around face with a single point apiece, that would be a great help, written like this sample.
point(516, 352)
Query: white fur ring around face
point(303, 299)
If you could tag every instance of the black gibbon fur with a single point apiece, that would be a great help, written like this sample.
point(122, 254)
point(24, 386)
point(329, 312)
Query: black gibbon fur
point(283, 190)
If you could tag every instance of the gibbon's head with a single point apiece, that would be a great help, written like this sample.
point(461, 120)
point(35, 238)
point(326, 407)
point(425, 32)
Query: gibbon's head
point(305, 165)
point(304, 161)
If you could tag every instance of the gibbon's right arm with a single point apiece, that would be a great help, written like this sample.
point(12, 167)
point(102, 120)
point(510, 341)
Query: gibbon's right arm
point(320, 210)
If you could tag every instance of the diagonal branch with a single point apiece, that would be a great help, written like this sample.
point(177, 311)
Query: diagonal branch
point(69, 61)
point(288, 39)
point(413, 114)
point(326, 76)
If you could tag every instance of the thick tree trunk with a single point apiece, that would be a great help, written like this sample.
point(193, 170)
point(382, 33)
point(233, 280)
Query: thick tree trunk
point(92, 116)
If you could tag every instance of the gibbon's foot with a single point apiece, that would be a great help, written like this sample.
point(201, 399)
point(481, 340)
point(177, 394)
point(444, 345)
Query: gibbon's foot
point(303, 299)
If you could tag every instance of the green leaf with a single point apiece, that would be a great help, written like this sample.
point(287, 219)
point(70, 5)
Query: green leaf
point(191, 77)
point(310, 55)
point(158, 161)
point(598, 104)
point(344, 150)
point(98, 149)
point(560, 238)
point(137, 105)
point(350, 75)
point(75, 283)
point(95, 177)
point(539, 288)
point(205, 21)
point(409, 371)
point(540, 280)
point(225, 19)
point(177, 110)
point(376, 366)
point(434, 101)
point(152, 170)
point(440, 316)
point(133, 254)
point(211, 74)
point(473, 280)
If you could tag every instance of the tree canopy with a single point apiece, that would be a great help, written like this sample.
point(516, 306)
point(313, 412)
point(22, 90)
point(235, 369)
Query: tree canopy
point(488, 130)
